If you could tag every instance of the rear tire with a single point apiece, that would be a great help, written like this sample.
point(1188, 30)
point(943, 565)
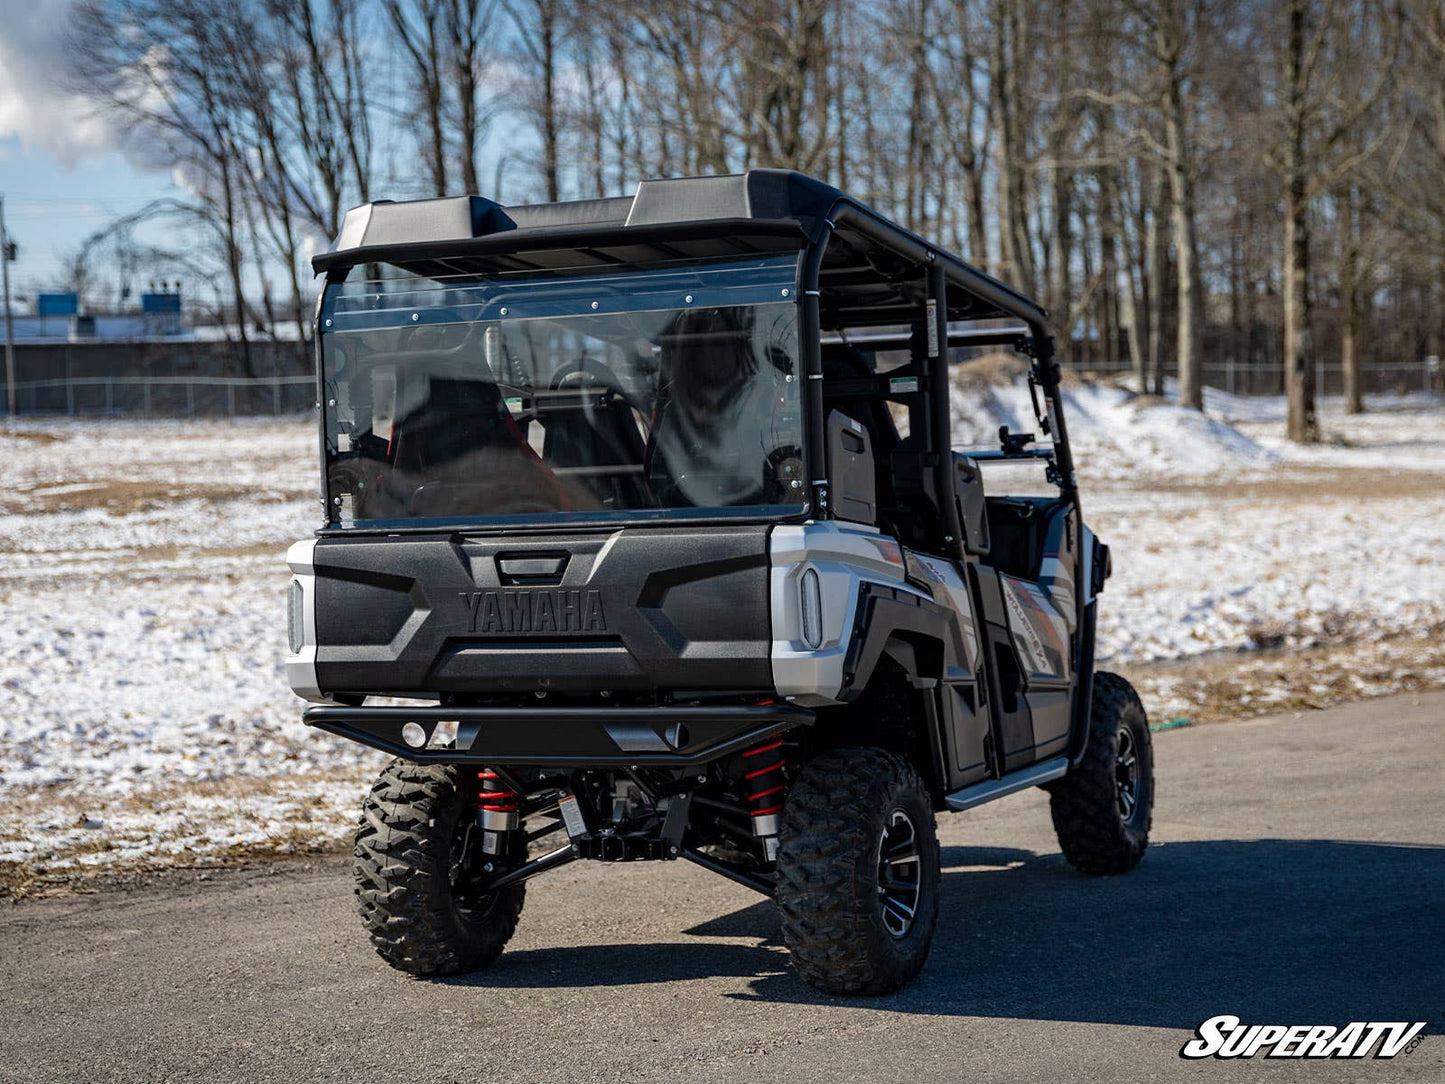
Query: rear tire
point(407, 862)
point(1103, 808)
point(858, 872)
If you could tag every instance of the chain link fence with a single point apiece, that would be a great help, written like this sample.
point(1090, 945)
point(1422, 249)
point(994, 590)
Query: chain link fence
point(220, 396)
point(1262, 378)
point(167, 396)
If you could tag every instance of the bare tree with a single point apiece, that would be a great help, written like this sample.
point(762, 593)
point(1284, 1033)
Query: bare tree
point(420, 27)
point(179, 102)
point(1320, 98)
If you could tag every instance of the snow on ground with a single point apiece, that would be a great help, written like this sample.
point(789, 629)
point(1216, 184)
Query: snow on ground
point(1227, 536)
point(1114, 433)
point(145, 718)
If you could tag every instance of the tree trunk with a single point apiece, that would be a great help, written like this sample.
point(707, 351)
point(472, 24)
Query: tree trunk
point(1016, 260)
point(1186, 249)
point(550, 128)
point(1299, 368)
point(1138, 299)
point(1158, 260)
point(1299, 360)
point(234, 265)
point(1350, 302)
point(464, 33)
point(1109, 264)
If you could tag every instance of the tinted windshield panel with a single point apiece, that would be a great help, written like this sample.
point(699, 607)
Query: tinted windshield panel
point(650, 394)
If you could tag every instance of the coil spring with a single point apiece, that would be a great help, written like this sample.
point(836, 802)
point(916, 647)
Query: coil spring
point(494, 797)
point(765, 784)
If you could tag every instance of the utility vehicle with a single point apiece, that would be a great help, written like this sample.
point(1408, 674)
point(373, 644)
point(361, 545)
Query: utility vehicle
point(644, 532)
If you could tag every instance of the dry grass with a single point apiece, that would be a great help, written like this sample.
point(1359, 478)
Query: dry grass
point(1305, 484)
point(182, 826)
point(34, 436)
point(1238, 685)
point(989, 370)
point(121, 497)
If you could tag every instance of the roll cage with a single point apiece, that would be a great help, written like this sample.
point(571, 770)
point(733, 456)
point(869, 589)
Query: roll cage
point(863, 278)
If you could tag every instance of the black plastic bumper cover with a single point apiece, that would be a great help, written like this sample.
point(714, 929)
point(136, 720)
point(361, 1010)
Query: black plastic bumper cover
point(564, 737)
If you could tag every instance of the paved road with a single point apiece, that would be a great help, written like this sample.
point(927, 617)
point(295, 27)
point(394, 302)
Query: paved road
point(1297, 876)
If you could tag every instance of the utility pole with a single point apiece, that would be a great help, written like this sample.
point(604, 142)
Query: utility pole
point(5, 256)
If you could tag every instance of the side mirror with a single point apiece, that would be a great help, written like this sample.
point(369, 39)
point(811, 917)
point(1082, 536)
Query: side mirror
point(851, 477)
point(972, 509)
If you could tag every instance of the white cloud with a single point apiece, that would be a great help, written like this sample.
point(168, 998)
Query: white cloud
point(36, 107)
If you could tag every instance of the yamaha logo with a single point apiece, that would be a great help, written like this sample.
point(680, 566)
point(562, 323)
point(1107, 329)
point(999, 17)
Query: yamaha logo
point(540, 610)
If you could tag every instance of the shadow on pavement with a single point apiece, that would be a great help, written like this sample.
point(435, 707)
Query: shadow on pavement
point(1272, 931)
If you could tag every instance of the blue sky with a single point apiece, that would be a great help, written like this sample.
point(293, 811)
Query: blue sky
point(61, 171)
point(52, 206)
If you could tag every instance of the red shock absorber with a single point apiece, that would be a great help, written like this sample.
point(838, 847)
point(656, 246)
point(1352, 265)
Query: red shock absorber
point(498, 811)
point(764, 784)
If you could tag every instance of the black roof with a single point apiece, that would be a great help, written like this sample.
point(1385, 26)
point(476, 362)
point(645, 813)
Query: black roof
point(761, 211)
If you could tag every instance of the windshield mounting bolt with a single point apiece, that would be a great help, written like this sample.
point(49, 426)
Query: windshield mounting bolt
point(596, 305)
point(688, 299)
point(328, 323)
point(785, 291)
point(415, 316)
point(331, 402)
point(503, 310)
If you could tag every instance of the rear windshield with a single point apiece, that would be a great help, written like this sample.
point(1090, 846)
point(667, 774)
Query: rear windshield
point(650, 394)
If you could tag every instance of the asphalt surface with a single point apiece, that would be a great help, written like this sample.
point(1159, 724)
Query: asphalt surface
point(1297, 876)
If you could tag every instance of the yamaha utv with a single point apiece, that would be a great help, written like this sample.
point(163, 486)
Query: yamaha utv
point(644, 532)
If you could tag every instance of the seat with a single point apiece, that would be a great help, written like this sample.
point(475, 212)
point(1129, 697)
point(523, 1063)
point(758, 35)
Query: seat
point(706, 408)
point(596, 432)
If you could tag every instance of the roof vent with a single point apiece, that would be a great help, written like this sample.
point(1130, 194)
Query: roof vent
point(453, 219)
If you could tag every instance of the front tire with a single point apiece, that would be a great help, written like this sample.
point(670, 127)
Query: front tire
point(858, 872)
point(1103, 808)
point(411, 868)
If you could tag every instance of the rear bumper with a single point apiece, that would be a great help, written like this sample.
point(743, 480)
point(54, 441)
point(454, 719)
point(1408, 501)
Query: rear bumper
point(563, 737)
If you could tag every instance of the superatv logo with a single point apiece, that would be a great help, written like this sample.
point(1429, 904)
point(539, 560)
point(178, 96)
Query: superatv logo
point(557, 610)
point(1227, 1037)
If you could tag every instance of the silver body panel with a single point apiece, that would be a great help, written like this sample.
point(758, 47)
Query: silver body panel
point(301, 666)
point(953, 593)
point(845, 556)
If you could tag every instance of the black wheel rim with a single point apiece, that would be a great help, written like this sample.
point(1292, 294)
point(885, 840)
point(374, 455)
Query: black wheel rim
point(1126, 773)
point(900, 873)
